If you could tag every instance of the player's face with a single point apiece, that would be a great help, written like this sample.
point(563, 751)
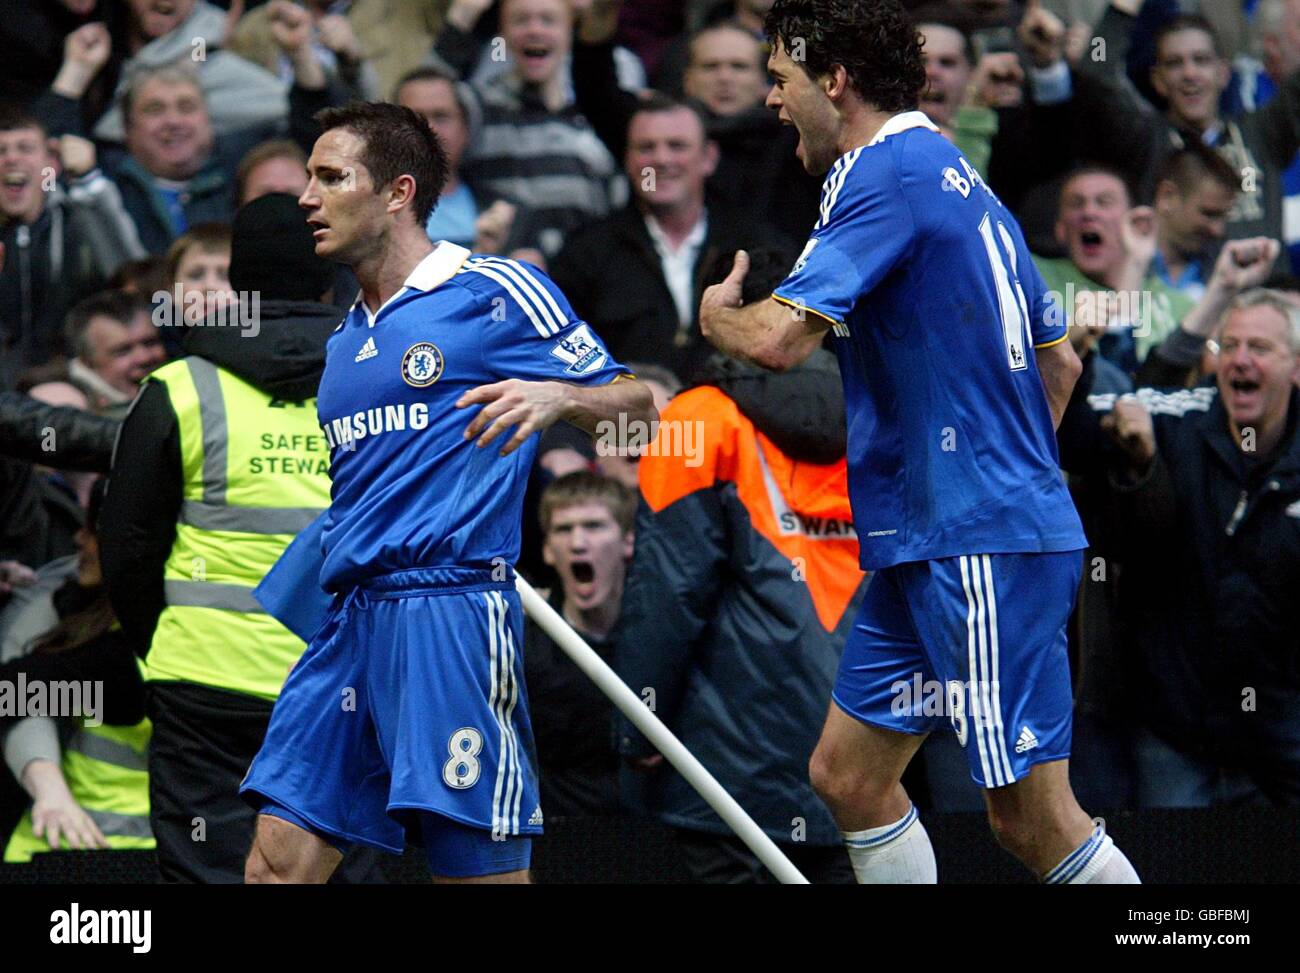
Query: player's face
point(803, 103)
point(537, 34)
point(589, 552)
point(1195, 222)
point(1257, 367)
point(434, 100)
point(1092, 206)
point(946, 72)
point(668, 158)
point(349, 219)
point(1191, 77)
point(23, 155)
point(726, 71)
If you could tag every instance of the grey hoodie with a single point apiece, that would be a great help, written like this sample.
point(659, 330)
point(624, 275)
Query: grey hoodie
point(239, 94)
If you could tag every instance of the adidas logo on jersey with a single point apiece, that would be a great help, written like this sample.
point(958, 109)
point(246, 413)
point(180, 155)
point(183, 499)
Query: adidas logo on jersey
point(368, 350)
point(536, 816)
point(1027, 741)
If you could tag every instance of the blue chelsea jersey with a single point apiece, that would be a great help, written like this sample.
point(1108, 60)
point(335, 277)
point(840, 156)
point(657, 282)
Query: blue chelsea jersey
point(408, 489)
point(937, 309)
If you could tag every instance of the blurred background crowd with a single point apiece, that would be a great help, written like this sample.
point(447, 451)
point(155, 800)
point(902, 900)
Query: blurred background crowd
point(149, 153)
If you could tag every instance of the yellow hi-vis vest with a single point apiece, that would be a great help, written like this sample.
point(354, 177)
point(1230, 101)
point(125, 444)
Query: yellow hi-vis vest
point(105, 770)
point(256, 472)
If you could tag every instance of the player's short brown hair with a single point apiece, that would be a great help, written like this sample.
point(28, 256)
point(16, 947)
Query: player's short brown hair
point(583, 487)
point(398, 142)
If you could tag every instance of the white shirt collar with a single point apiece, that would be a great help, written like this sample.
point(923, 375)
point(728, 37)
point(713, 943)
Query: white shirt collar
point(692, 239)
point(438, 267)
point(901, 123)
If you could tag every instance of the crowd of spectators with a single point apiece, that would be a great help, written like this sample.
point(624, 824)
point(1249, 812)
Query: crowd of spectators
point(1150, 149)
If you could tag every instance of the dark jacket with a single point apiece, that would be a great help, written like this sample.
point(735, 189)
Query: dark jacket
point(743, 588)
point(39, 515)
point(571, 719)
point(81, 237)
point(210, 197)
point(137, 526)
point(1210, 573)
point(611, 273)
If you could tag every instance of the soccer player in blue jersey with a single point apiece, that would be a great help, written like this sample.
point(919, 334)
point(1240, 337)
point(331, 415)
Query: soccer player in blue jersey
point(406, 717)
point(956, 370)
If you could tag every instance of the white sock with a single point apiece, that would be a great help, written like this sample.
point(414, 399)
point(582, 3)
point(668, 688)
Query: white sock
point(1095, 862)
point(897, 854)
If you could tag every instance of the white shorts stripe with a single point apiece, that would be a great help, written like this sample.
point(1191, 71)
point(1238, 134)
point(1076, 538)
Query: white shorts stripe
point(999, 732)
point(980, 678)
point(515, 764)
point(493, 701)
point(972, 667)
point(503, 695)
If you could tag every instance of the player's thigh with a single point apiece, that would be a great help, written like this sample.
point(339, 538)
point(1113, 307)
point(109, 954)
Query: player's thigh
point(878, 716)
point(1042, 795)
point(854, 755)
point(994, 631)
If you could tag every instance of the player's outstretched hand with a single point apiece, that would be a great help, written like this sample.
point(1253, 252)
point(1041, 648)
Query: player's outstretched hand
point(532, 406)
point(724, 295)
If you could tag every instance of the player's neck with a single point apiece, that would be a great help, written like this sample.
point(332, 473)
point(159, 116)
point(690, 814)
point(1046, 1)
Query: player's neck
point(383, 275)
point(860, 127)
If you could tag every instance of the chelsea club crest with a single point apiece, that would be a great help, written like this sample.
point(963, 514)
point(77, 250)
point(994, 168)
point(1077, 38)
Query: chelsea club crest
point(422, 365)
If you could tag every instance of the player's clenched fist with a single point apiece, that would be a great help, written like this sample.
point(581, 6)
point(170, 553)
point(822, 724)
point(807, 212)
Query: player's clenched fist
point(1129, 423)
point(532, 406)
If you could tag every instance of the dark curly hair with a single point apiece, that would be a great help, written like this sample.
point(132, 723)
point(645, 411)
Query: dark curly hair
point(874, 40)
point(398, 143)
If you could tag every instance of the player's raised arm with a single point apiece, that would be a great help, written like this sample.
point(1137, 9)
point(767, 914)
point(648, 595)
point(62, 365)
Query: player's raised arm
point(767, 333)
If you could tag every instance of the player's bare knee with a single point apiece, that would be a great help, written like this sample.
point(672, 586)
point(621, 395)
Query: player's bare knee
point(1011, 831)
point(829, 778)
point(843, 786)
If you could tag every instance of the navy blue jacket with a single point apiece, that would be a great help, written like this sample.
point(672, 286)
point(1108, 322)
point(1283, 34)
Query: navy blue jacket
point(1210, 598)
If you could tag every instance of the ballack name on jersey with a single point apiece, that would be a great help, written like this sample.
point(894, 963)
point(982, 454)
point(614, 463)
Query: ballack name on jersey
point(373, 422)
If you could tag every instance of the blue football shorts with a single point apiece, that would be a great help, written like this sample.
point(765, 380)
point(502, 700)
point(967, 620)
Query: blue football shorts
point(407, 718)
point(977, 643)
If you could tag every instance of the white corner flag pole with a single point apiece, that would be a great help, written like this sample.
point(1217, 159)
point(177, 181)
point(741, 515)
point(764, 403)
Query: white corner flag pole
point(608, 682)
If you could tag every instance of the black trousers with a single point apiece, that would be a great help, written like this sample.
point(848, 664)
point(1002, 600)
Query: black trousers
point(718, 859)
point(203, 741)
